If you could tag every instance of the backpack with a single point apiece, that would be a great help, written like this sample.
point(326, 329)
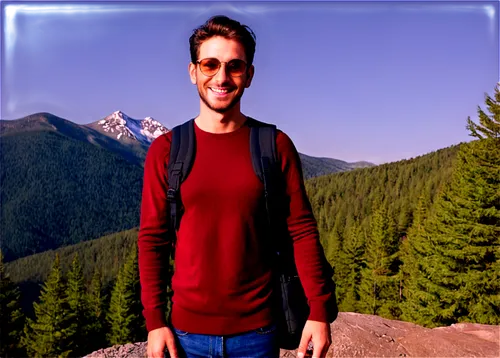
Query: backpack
point(292, 309)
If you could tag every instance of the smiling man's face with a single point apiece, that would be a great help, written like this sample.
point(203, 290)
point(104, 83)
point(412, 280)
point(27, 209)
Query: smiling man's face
point(221, 92)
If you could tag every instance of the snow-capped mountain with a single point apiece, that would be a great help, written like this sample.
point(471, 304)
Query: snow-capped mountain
point(121, 126)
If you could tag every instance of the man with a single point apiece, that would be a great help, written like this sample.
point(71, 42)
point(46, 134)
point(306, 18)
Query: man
point(222, 281)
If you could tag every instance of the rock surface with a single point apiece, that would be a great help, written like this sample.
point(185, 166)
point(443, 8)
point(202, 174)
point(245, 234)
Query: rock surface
point(359, 335)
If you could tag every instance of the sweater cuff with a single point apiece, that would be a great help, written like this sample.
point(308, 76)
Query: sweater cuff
point(318, 312)
point(155, 318)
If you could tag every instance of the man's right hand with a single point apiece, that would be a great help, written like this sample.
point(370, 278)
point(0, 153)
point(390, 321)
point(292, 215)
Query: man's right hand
point(158, 339)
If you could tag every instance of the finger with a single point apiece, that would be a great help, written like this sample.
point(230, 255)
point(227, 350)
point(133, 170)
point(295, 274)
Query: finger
point(156, 348)
point(327, 346)
point(324, 349)
point(171, 346)
point(304, 341)
point(319, 348)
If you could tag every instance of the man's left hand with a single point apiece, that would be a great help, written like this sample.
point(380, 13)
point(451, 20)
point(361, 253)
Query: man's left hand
point(320, 335)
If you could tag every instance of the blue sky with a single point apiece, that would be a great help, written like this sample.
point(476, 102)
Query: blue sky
point(375, 81)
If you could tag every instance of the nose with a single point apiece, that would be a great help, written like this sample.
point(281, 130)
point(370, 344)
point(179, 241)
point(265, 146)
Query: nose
point(222, 75)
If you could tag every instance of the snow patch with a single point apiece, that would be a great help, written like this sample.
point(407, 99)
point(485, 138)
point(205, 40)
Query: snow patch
point(144, 131)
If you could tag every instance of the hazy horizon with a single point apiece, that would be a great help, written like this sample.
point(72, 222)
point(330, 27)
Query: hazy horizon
point(355, 81)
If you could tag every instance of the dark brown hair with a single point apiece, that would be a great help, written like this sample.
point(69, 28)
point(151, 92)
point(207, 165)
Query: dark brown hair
point(225, 27)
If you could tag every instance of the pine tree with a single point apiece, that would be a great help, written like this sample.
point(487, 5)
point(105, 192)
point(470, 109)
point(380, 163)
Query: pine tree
point(339, 263)
point(458, 256)
point(95, 302)
point(50, 334)
point(334, 257)
point(131, 273)
point(379, 287)
point(333, 251)
point(489, 125)
point(353, 253)
point(118, 316)
point(414, 249)
point(11, 316)
point(125, 311)
point(78, 308)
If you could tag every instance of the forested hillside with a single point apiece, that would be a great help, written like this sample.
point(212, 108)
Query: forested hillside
point(58, 191)
point(106, 254)
point(341, 199)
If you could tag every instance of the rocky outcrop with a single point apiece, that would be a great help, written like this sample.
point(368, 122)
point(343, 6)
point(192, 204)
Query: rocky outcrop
point(358, 335)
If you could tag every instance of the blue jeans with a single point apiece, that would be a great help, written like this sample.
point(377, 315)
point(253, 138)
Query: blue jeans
point(259, 343)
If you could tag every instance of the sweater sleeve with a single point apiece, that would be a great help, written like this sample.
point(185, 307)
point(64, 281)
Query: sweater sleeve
point(309, 255)
point(153, 244)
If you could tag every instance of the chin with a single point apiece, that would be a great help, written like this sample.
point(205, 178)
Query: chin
point(221, 108)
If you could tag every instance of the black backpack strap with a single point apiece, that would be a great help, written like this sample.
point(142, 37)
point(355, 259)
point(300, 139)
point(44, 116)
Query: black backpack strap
point(267, 167)
point(264, 160)
point(182, 151)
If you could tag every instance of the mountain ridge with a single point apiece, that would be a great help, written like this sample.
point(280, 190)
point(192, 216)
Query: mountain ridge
point(137, 134)
point(142, 130)
point(44, 121)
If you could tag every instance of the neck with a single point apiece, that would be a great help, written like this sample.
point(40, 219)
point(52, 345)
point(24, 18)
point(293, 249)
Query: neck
point(214, 122)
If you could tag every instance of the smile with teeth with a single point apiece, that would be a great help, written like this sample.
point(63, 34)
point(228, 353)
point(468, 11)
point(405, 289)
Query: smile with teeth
point(219, 90)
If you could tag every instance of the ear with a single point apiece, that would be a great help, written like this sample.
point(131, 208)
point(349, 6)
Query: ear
point(250, 73)
point(192, 72)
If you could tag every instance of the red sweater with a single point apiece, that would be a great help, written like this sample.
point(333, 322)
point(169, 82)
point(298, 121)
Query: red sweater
point(222, 276)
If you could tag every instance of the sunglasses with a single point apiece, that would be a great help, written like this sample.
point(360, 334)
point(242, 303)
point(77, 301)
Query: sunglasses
point(211, 66)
